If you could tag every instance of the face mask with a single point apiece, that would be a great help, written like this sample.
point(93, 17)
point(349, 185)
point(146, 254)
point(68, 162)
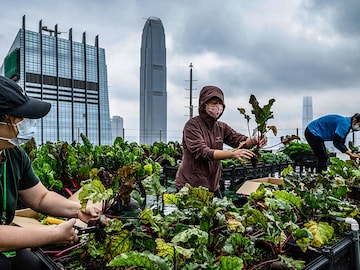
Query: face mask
point(355, 127)
point(26, 130)
point(214, 110)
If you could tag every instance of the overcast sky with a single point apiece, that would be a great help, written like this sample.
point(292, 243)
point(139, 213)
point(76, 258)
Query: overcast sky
point(273, 49)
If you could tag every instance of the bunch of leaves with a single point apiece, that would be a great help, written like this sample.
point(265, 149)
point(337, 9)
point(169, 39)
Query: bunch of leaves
point(232, 162)
point(153, 187)
point(94, 191)
point(262, 116)
point(68, 164)
point(128, 179)
point(349, 170)
point(47, 166)
point(274, 158)
point(296, 147)
point(166, 154)
point(205, 232)
point(309, 210)
point(202, 232)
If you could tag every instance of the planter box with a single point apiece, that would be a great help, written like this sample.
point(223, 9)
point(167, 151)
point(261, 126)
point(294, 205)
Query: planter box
point(252, 185)
point(354, 193)
point(340, 256)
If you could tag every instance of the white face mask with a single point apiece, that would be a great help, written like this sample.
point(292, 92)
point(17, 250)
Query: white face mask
point(26, 130)
point(355, 127)
point(214, 110)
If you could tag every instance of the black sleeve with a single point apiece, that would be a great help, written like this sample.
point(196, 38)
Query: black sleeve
point(339, 143)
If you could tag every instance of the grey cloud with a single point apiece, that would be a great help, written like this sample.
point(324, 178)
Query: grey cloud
point(342, 15)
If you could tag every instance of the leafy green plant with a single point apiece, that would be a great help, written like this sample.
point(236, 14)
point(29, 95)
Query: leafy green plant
point(201, 231)
point(262, 116)
point(274, 158)
point(296, 147)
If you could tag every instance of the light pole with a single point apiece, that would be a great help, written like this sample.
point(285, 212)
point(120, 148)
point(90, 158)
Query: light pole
point(191, 105)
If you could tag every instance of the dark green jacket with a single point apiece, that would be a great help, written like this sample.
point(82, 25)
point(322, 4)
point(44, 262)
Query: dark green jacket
point(19, 176)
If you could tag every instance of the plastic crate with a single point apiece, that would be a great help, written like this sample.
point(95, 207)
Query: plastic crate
point(320, 263)
point(240, 173)
point(227, 173)
point(268, 170)
point(339, 256)
point(48, 263)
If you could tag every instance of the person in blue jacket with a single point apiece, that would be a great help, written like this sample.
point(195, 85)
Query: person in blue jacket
point(333, 128)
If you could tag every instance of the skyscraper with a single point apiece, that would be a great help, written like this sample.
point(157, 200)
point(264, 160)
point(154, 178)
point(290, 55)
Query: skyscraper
point(307, 111)
point(153, 95)
point(72, 76)
point(117, 126)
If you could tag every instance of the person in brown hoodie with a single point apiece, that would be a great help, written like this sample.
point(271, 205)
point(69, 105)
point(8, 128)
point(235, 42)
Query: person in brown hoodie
point(203, 140)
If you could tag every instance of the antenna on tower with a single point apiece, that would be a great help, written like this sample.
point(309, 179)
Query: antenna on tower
point(191, 107)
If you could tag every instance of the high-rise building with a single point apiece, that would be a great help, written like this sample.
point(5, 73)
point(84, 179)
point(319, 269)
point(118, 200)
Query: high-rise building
point(72, 76)
point(153, 95)
point(117, 127)
point(307, 111)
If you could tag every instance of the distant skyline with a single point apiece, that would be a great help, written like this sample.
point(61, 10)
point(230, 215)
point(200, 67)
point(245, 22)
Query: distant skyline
point(273, 49)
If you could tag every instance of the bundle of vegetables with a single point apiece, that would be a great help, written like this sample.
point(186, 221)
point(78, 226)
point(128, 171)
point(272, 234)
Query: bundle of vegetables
point(262, 116)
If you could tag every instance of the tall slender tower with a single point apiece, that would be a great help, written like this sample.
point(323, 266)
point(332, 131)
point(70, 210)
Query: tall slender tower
point(307, 111)
point(153, 95)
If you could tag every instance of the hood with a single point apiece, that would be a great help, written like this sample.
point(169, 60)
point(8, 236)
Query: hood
point(206, 93)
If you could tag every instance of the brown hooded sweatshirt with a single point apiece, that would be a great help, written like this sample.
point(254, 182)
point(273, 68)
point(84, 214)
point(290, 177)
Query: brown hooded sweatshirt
point(203, 134)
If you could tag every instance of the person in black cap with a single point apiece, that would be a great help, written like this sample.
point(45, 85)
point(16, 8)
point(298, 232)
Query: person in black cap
point(18, 114)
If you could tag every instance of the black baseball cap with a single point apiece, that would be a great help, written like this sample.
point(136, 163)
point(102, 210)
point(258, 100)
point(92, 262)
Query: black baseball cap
point(14, 101)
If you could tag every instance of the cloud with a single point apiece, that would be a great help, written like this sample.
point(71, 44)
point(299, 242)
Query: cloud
point(272, 49)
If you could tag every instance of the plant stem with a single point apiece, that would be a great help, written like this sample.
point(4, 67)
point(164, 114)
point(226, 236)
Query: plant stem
point(73, 247)
point(263, 263)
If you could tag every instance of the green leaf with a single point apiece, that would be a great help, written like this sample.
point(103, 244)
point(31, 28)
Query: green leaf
point(321, 231)
point(231, 263)
point(145, 260)
point(289, 198)
point(236, 242)
point(192, 234)
point(93, 190)
point(292, 263)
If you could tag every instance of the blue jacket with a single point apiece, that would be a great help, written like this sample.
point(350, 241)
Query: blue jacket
point(332, 127)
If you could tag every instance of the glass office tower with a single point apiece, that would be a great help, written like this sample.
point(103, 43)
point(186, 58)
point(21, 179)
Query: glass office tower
point(153, 95)
point(72, 76)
